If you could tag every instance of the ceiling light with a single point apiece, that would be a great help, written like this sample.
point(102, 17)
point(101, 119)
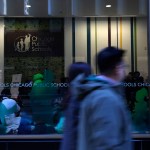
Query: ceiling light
point(108, 6)
point(28, 6)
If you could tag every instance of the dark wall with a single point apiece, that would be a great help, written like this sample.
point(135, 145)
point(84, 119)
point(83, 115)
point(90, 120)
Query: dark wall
point(32, 45)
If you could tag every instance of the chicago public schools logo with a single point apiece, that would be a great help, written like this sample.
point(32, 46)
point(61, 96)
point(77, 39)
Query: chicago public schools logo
point(24, 43)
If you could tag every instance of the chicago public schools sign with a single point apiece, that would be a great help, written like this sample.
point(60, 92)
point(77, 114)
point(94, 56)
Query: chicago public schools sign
point(34, 43)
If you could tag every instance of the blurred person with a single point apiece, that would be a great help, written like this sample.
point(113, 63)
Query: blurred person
point(104, 120)
point(74, 70)
point(71, 106)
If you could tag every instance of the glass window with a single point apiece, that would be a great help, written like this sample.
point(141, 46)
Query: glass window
point(34, 76)
point(37, 53)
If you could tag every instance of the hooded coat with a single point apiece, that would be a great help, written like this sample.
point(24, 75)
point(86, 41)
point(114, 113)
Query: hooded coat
point(97, 117)
point(104, 121)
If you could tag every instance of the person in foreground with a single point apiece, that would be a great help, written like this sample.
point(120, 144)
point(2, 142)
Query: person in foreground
point(71, 105)
point(104, 120)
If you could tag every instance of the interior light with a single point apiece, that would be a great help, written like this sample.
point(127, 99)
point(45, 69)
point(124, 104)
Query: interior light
point(108, 6)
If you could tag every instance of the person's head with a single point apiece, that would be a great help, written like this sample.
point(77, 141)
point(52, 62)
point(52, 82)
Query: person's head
point(73, 71)
point(78, 68)
point(110, 63)
point(5, 93)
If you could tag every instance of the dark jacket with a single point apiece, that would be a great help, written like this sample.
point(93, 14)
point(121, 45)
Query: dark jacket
point(97, 118)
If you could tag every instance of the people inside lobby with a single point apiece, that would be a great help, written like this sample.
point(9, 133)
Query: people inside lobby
point(11, 121)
